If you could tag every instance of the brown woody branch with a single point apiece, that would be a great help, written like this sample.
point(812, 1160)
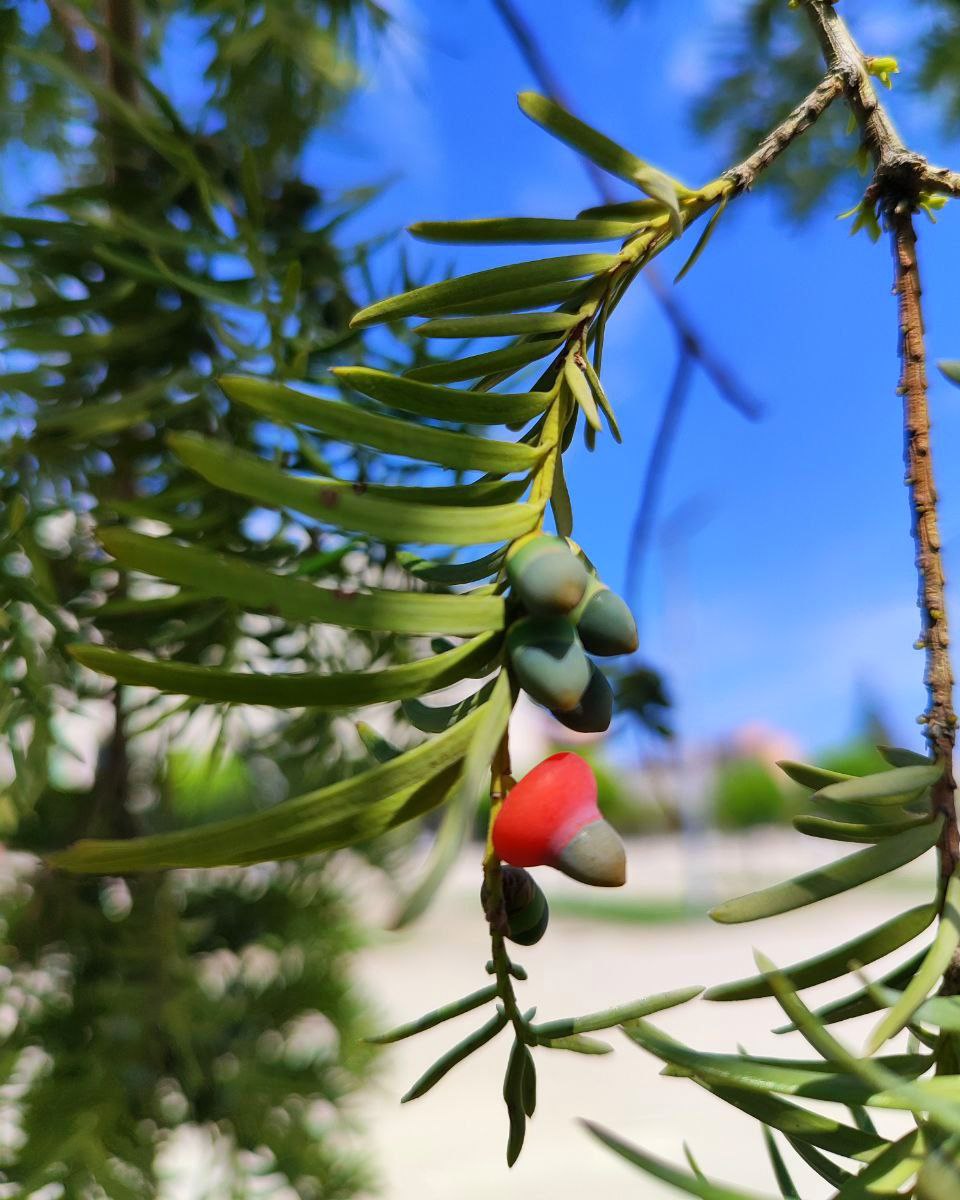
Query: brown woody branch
point(940, 720)
point(896, 167)
point(809, 110)
point(900, 176)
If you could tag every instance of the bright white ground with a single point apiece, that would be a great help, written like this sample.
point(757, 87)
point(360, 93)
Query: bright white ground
point(449, 1145)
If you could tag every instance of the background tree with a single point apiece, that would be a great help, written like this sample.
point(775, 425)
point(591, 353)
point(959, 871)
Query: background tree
point(159, 238)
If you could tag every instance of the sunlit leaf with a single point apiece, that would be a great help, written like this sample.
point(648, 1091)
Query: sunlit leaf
point(435, 297)
point(837, 877)
point(342, 690)
point(232, 578)
point(346, 423)
point(347, 506)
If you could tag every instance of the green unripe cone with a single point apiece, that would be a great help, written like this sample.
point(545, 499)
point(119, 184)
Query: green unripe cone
point(525, 905)
point(546, 576)
point(595, 711)
point(606, 625)
point(548, 661)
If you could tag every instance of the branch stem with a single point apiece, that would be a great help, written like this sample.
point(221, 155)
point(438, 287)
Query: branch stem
point(900, 176)
point(809, 110)
point(910, 172)
point(939, 719)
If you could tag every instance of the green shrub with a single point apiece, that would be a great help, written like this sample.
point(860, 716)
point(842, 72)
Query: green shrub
point(745, 794)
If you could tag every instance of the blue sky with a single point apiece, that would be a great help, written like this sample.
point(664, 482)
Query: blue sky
point(792, 596)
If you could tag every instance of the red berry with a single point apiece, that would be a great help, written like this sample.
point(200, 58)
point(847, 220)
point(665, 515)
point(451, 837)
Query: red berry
point(551, 819)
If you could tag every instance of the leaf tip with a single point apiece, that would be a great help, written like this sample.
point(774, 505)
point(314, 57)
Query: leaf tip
point(721, 914)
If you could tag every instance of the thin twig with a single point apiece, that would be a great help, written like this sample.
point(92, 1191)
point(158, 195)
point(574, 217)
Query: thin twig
point(656, 467)
point(809, 110)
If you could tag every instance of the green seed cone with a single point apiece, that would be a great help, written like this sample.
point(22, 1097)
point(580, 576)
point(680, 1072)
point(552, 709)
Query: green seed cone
point(546, 576)
point(595, 711)
point(525, 904)
point(548, 661)
point(606, 625)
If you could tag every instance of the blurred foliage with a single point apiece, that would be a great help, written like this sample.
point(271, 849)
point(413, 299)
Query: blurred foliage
point(859, 757)
point(641, 691)
point(213, 1004)
point(175, 237)
point(746, 794)
point(630, 808)
point(939, 74)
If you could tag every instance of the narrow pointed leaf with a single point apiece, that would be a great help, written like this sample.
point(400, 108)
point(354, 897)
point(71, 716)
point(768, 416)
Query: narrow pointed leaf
point(852, 831)
point(812, 1080)
point(898, 757)
point(451, 573)
point(788, 1189)
point(231, 578)
point(884, 1175)
point(602, 400)
point(502, 325)
point(429, 719)
point(456, 1008)
point(604, 152)
point(426, 301)
point(337, 691)
point(863, 949)
point(341, 814)
point(432, 1076)
point(348, 508)
point(692, 1185)
point(528, 230)
point(839, 876)
point(529, 1083)
point(929, 973)
point(825, 1167)
point(442, 403)
point(560, 504)
point(702, 241)
point(513, 1098)
point(886, 787)
point(592, 1022)
point(582, 393)
point(939, 1097)
point(811, 777)
point(863, 1002)
point(579, 1044)
point(640, 211)
point(811, 1127)
point(503, 362)
point(541, 295)
point(376, 744)
point(941, 1011)
point(346, 423)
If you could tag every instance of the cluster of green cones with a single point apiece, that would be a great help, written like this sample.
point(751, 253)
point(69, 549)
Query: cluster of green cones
point(568, 614)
